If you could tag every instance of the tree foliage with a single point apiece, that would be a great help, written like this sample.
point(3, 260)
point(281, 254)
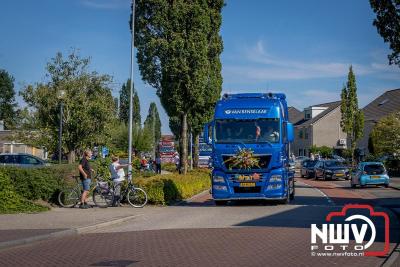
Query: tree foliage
point(177, 43)
point(124, 104)
point(141, 138)
point(387, 23)
point(7, 99)
point(153, 123)
point(88, 105)
point(352, 118)
point(386, 135)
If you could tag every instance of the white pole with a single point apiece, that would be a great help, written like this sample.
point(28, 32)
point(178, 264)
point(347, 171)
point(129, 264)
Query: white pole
point(131, 91)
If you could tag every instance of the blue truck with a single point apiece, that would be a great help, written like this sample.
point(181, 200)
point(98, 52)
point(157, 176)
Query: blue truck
point(250, 136)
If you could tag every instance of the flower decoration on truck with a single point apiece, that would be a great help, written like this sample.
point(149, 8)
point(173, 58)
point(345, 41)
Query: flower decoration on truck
point(244, 159)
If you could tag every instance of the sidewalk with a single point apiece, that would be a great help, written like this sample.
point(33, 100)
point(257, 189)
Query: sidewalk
point(18, 229)
point(395, 182)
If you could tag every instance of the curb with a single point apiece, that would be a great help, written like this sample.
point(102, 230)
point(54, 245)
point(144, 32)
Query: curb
point(64, 233)
point(394, 187)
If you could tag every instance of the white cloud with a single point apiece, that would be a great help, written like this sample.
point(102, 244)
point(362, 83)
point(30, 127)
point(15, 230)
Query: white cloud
point(262, 66)
point(106, 4)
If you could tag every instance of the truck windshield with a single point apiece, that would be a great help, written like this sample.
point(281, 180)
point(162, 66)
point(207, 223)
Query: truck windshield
point(247, 131)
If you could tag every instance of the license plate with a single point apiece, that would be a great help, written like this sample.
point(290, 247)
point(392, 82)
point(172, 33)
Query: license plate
point(247, 184)
point(339, 174)
point(375, 176)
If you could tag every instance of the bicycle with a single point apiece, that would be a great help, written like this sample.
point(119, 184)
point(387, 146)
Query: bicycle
point(135, 196)
point(102, 195)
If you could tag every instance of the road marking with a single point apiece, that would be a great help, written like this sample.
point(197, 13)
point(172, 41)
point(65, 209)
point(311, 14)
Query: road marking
point(330, 201)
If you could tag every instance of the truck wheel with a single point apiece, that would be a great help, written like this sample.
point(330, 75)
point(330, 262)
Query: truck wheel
point(291, 196)
point(220, 202)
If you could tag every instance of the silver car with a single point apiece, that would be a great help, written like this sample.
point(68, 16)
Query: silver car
point(21, 160)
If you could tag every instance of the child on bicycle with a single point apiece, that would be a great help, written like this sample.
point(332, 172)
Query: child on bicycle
point(118, 176)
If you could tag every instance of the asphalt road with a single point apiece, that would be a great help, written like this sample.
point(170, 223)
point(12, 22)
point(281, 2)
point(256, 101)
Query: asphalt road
point(197, 233)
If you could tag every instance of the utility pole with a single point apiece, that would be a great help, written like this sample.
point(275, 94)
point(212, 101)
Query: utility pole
point(131, 90)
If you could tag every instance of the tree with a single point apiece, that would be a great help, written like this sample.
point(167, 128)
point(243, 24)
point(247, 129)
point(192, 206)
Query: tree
point(124, 104)
point(174, 40)
point(352, 118)
point(153, 123)
point(7, 99)
point(87, 111)
point(386, 135)
point(141, 138)
point(387, 23)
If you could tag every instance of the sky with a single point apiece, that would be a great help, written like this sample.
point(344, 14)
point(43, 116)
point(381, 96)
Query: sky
point(301, 48)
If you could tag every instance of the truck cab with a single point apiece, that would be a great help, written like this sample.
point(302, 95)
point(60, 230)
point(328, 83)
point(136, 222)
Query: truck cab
point(250, 136)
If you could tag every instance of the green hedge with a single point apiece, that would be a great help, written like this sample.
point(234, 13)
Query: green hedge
point(39, 183)
point(168, 188)
point(11, 201)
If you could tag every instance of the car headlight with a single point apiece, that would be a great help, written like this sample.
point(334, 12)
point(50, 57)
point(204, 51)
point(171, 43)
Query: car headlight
point(329, 171)
point(276, 178)
point(218, 179)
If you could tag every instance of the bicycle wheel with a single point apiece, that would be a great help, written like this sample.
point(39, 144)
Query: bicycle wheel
point(68, 197)
point(102, 197)
point(137, 197)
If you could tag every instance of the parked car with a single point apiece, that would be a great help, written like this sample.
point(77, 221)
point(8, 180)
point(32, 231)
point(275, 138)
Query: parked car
point(331, 169)
point(307, 168)
point(369, 173)
point(21, 160)
point(299, 161)
point(338, 158)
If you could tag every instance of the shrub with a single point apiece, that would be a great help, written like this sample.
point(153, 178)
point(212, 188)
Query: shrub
point(168, 188)
point(11, 202)
point(169, 167)
point(40, 183)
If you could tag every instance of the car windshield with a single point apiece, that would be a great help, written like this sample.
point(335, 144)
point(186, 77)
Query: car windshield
point(309, 163)
point(334, 163)
point(371, 169)
point(247, 131)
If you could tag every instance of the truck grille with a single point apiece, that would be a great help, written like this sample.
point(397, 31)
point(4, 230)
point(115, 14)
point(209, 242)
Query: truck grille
point(263, 162)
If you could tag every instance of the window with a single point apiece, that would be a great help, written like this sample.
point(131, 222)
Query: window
point(7, 159)
point(301, 134)
point(28, 160)
point(305, 134)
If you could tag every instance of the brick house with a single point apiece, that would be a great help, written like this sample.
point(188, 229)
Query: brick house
point(382, 106)
point(319, 126)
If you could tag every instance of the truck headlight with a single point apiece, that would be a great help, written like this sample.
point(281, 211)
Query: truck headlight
point(220, 187)
point(274, 186)
point(276, 178)
point(329, 171)
point(218, 179)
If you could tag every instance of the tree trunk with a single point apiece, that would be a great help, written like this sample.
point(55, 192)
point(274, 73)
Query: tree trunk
point(196, 151)
point(71, 156)
point(183, 146)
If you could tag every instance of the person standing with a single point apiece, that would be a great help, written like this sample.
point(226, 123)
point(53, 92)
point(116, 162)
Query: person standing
point(158, 163)
point(85, 173)
point(118, 176)
point(177, 162)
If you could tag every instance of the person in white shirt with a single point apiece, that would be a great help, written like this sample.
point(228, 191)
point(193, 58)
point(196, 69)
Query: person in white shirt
point(117, 176)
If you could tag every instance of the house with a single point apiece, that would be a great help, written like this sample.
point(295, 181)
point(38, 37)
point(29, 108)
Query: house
point(295, 115)
point(319, 126)
point(9, 145)
point(382, 106)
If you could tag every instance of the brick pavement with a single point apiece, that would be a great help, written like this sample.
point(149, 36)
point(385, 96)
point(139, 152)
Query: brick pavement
point(253, 246)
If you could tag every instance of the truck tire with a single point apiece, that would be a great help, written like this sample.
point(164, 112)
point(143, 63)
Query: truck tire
point(220, 202)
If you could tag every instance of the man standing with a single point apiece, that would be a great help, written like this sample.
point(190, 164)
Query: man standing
point(85, 173)
point(158, 163)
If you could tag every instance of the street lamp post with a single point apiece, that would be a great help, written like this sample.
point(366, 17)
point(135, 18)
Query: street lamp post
point(60, 96)
point(131, 91)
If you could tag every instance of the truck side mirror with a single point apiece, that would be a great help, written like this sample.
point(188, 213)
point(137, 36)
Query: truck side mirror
point(207, 132)
point(290, 133)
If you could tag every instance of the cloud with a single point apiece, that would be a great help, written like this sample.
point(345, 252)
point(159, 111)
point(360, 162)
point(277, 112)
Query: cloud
point(106, 4)
point(262, 66)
